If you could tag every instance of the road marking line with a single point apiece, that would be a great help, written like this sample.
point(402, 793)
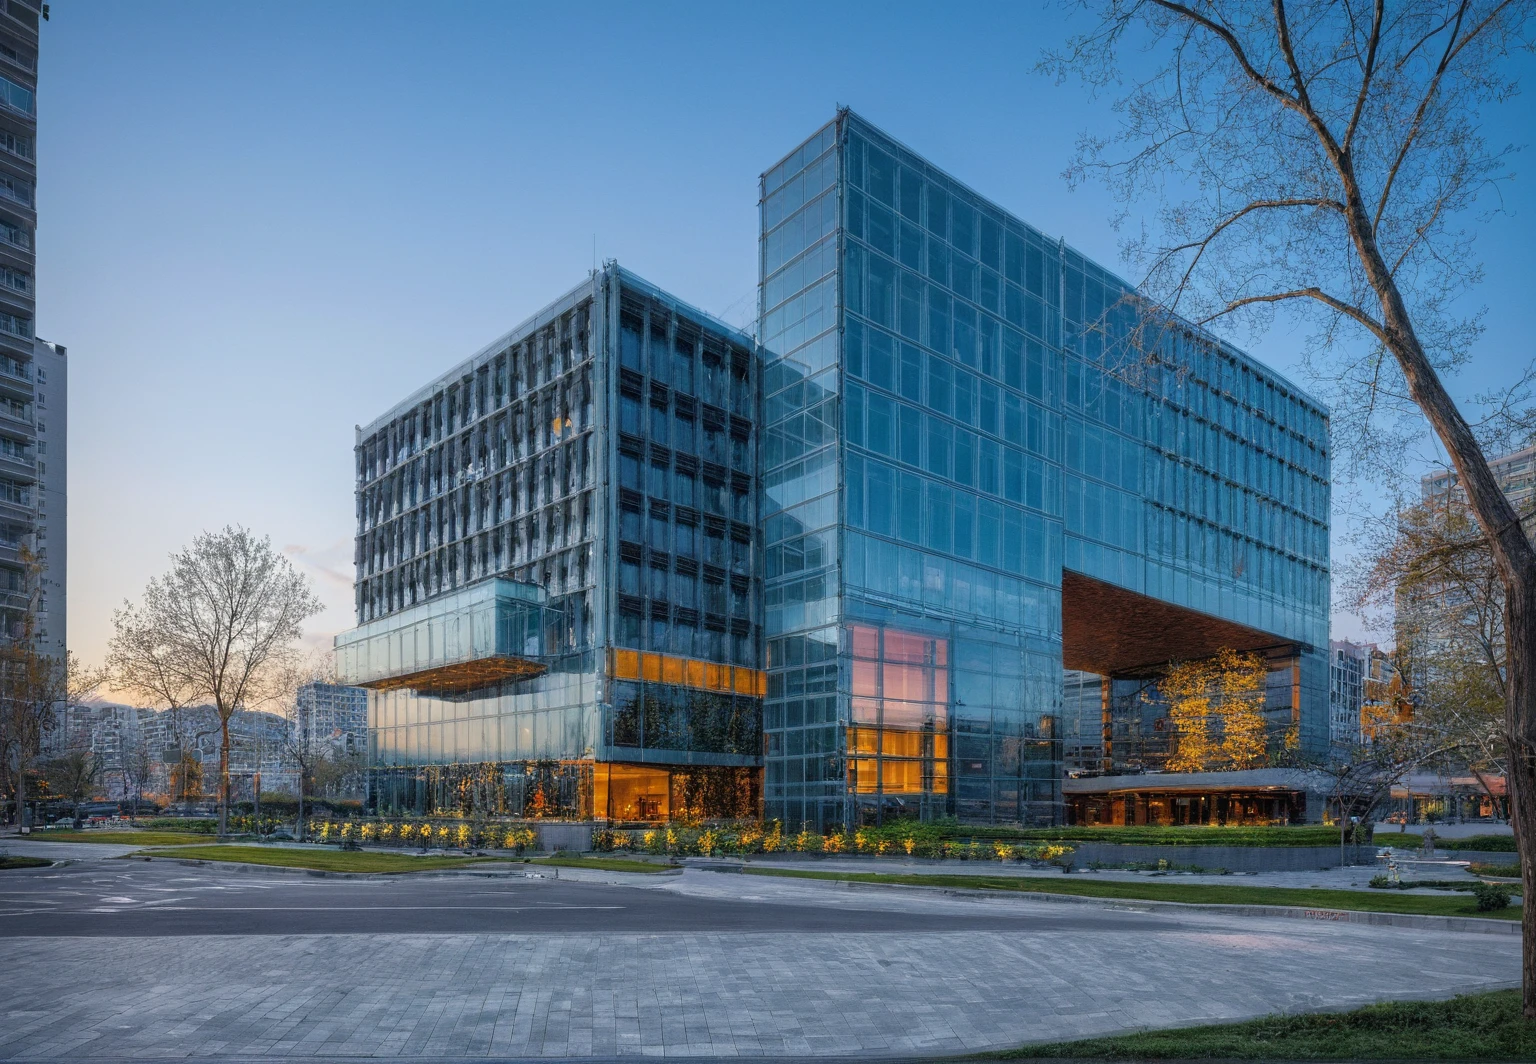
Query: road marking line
point(335, 908)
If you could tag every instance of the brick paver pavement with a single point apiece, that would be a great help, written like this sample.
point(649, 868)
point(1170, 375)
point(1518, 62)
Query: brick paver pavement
point(701, 994)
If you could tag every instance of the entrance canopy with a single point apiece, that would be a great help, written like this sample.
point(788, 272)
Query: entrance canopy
point(1114, 632)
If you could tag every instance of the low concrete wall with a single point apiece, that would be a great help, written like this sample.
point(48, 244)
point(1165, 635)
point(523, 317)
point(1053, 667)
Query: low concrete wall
point(1232, 858)
point(1479, 856)
point(554, 836)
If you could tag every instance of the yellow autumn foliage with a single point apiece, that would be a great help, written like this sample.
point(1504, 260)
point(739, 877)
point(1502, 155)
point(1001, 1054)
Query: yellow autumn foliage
point(1216, 707)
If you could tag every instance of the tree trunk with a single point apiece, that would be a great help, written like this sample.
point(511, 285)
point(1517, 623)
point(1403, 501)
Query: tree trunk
point(223, 775)
point(299, 826)
point(1514, 557)
point(21, 793)
point(1520, 723)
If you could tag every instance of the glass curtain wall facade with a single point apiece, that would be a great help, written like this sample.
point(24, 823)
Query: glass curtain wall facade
point(598, 462)
point(953, 420)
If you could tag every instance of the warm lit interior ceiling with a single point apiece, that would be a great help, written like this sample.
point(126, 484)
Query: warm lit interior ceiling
point(1111, 631)
point(463, 676)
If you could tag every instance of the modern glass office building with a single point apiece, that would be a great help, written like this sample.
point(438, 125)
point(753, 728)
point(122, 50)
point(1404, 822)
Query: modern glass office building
point(984, 462)
point(558, 585)
point(922, 547)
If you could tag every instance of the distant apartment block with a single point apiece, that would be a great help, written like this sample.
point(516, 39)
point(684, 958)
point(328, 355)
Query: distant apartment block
point(1349, 667)
point(1457, 615)
point(332, 715)
point(172, 740)
point(1515, 473)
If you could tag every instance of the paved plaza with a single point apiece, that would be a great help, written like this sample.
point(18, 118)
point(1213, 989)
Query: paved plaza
point(113, 960)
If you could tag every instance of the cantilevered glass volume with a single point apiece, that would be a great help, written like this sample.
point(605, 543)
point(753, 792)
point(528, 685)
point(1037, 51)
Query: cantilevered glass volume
point(981, 468)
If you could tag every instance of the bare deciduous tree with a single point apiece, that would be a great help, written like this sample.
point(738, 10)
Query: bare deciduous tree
point(73, 774)
point(34, 689)
point(138, 768)
point(222, 625)
point(1321, 156)
point(1362, 779)
point(1430, 569)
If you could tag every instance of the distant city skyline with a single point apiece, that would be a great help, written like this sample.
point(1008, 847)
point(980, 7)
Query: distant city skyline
point(253, 242)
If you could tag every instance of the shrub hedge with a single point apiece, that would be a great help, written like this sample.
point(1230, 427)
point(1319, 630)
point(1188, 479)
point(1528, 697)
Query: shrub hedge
point(1484, 843)
point(192, 825)
point(903, 838)
point(426, 834)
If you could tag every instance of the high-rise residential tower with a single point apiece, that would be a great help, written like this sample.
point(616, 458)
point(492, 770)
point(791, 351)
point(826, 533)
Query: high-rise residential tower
point(21, 590)
point(558, 593)
point(985, 460)
point(50, 535)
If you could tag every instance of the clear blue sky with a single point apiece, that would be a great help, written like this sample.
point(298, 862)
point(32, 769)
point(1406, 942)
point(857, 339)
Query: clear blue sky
point(263, 224)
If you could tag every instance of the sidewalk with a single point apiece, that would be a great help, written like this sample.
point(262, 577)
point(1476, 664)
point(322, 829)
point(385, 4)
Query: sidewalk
point(1354, 877)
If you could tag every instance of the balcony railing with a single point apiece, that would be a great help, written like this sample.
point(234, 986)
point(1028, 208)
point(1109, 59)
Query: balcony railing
point(18, 60)
point(15, 236)
point(20, 371)
point(22, 195)
point(17, 460)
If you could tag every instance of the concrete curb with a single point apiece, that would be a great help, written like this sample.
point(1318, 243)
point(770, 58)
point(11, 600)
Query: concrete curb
point(1462, 924)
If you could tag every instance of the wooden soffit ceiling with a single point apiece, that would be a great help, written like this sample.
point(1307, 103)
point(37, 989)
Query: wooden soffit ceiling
point(463, 676)
point(1114, 632)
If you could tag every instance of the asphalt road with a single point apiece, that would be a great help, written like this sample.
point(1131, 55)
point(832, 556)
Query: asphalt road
point(111, 898)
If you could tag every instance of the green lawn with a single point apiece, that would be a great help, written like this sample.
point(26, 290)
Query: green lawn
point(604, 864)
point(1474, 1027)
point(323, 860)
point(12, 861)
point(121, 838)
point(1198, 893)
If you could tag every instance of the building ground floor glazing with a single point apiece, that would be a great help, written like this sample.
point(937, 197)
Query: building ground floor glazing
point(892, 714)
point(888, 714)
point(1223, 806)
point(621, 736)
point(566, 790)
